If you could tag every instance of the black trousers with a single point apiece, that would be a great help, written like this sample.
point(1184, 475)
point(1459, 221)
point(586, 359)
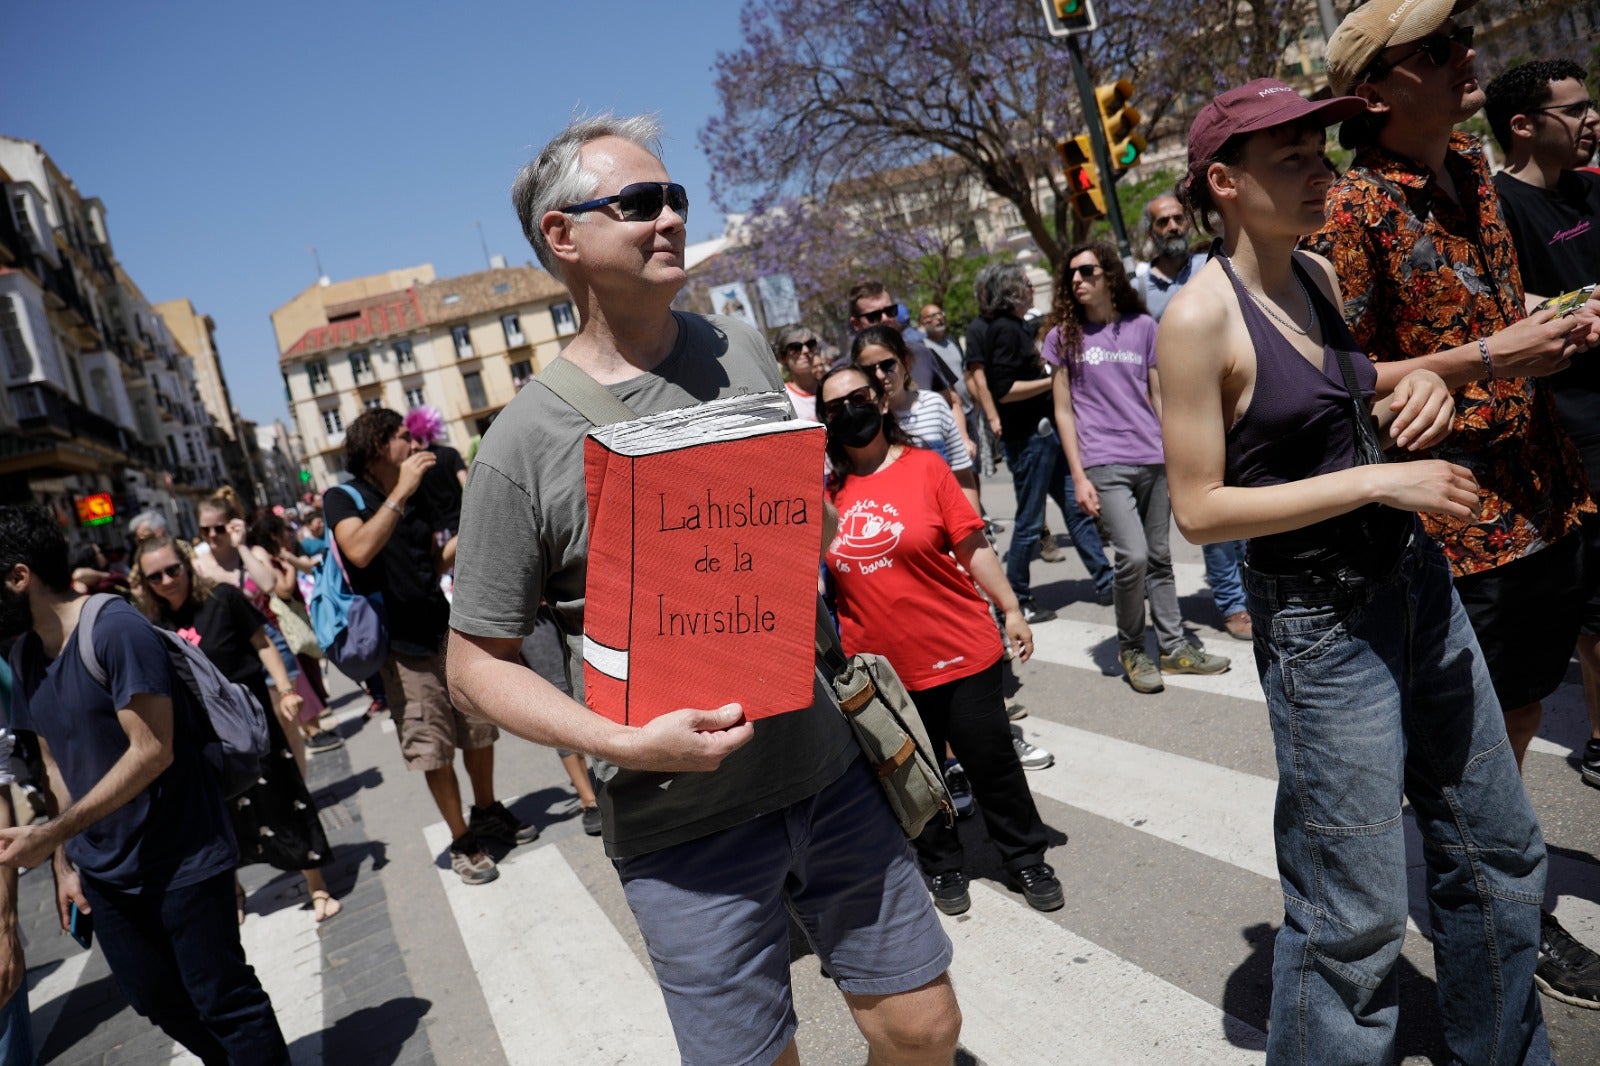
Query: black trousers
point(970, 715)
point(176, 955)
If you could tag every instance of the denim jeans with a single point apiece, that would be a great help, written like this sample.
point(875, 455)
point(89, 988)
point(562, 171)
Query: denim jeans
point(1039, 471)
point(16, 1031)
point(176, 955)
point(1375, 694)
point(1222, 575)
point(1136, 520)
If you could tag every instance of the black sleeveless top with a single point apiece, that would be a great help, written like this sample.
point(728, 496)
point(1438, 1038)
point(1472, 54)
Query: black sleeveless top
point(1299, 423)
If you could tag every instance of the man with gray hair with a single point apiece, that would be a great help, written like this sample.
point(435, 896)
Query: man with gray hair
point(1018, 384)
point(719, 827)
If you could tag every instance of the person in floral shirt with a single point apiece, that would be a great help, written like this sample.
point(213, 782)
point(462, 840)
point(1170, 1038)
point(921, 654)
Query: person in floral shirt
point(1429, 276)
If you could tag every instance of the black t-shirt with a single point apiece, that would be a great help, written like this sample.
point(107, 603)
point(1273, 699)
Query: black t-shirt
point(1557, 236)
point(441, 488)
point(174, 833)
point(221, 627)
point(1008, 358)
point(403, 571)
point(977, 341)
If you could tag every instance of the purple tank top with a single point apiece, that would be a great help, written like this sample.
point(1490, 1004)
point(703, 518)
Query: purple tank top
point(1299, 424)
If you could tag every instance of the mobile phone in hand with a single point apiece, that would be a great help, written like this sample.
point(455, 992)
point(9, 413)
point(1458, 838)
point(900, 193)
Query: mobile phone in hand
point(80, 925)
point(1568, 302)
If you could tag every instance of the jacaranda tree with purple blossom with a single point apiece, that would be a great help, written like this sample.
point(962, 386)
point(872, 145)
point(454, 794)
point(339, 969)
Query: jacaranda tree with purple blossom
point(825, 91)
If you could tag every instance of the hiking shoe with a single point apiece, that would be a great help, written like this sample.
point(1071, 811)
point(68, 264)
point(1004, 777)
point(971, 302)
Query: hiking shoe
point(1034, 614)
point(1238, 626)
point(591, 821)
point(1589, 768)
point(950, 892)
point(955, 779)
point(470, 862)
point(1050, 551)
point(1040, 887)
point(1567, 970)
point(324, 740)
point(1015, 711)
point(496, 824)
point(1193, 659)
point(1142, 673)
point(1032, 758)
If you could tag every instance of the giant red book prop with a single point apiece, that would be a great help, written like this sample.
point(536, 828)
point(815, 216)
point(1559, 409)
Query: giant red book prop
point(705, 531)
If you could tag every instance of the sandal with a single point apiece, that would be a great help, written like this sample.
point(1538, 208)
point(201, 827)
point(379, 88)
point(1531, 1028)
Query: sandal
point(325, 905)
point(238, 900)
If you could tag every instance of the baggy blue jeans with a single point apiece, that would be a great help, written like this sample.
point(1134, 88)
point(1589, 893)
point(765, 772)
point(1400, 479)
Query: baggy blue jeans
point(1039, 472)
point(1376, 694)
point(1222, 575)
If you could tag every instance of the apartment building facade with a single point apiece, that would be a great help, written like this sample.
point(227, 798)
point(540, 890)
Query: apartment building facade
point(101, 417)
point(405, 339)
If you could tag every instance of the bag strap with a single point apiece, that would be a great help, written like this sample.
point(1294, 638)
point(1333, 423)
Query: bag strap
point(333, 541)
point(583, 393)
point(86, 653)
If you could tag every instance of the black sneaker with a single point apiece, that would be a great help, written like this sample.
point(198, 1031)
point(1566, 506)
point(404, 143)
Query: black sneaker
point(955, 779)
point(1567, 970)
point(1590, 767)
point(496, 824)
point(1034, 614)
point(591, 821)
point(325, 740)
point(1105, 597)
point(1040, 887)
point(950, 893)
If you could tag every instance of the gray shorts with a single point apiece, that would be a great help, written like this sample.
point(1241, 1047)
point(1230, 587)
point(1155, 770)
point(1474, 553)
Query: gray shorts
point(715, 917)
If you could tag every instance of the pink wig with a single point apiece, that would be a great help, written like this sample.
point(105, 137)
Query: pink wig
point(425, 424)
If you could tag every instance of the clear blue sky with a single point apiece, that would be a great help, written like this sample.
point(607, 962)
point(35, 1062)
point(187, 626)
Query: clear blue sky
point(227, 139)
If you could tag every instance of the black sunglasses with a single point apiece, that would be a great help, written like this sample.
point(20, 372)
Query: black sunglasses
point(874, 317)
point(1088, 271)
point(218, 530)
point(796, 347)
point(862, 397)
point(640, 202)
point(1437, 47)
point(882, 367)
point(169, 573)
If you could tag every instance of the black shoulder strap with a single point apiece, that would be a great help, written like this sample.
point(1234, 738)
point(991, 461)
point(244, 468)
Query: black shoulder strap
point(583, 393)
point(1368, 449)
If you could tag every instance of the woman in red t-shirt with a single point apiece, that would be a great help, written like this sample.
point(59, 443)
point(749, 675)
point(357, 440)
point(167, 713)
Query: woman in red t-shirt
point(902, 594)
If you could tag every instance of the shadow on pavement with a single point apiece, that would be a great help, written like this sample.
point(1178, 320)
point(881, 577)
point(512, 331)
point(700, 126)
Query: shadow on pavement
point(347, 786)
point(373, 1036)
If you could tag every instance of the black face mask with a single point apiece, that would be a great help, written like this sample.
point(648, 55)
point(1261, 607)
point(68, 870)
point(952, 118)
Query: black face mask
point(16, 613)
point(856, 426)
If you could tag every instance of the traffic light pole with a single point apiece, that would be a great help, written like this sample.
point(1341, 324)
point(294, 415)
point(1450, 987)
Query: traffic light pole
point(1102, 154)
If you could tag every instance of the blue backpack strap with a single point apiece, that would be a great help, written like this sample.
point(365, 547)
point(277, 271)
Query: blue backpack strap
point(86, 616)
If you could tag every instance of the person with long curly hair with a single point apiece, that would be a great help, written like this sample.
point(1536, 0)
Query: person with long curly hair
point(1107, 397)
point(276, 821)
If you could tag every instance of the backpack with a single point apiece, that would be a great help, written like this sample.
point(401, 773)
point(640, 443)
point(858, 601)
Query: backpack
point(233, 727)
point(350, 626)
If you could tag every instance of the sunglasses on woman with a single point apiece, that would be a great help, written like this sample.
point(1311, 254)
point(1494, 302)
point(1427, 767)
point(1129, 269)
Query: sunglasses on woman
point(884, 367)
point(1088, 272)
point(796, 347)
point(862, 397)
point(640, 202)
point(168, 573)
point(215, 531)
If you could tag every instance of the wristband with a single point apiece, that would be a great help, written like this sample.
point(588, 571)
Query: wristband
point(1488, 364)
point(401, 511)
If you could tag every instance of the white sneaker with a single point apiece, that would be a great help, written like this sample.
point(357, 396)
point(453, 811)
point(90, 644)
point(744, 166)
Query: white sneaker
point(1032, 758)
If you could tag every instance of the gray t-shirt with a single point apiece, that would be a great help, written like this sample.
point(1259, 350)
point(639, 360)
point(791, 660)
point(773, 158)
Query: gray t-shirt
point(1157, 291)
point(525, 536)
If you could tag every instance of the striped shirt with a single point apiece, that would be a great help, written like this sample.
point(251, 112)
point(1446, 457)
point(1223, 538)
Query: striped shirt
point(930, 424)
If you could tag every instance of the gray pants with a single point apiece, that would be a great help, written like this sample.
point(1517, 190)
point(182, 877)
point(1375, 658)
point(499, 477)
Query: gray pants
point(1135, 523)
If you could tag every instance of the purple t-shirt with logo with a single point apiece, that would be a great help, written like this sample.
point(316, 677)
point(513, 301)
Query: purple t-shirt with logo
point(1111, 391)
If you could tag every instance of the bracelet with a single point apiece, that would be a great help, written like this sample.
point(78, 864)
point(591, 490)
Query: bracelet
point(397, 510)
point(1488, 364)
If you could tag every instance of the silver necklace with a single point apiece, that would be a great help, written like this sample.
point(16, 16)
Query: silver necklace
point(1311, 311)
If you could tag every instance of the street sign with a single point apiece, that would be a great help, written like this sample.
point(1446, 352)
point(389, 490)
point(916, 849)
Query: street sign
point(1063, 18)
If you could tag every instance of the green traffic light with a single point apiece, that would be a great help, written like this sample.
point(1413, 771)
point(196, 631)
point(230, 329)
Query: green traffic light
point(1128, 156)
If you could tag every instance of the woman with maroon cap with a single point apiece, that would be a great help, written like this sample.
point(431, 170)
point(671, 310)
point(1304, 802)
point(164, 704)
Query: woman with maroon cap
point(1375, 685)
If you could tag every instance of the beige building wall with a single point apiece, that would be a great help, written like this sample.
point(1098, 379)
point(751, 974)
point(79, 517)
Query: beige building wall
point(194, 333)
point(309, 309)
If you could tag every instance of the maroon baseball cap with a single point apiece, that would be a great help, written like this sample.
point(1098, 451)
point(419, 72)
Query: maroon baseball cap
point(1259, 105)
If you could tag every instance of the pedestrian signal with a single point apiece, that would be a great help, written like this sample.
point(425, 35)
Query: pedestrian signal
point(1083, 178)
point(1119, 119)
